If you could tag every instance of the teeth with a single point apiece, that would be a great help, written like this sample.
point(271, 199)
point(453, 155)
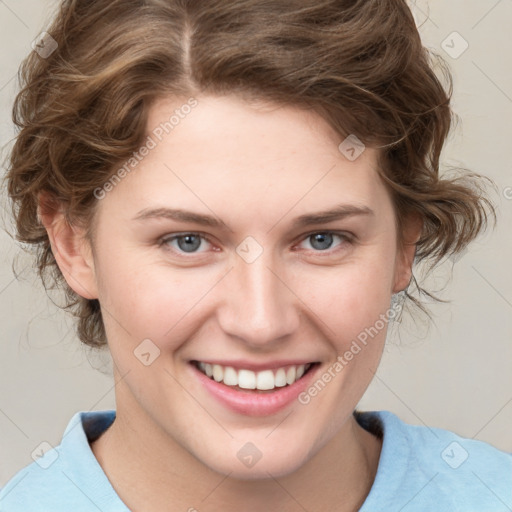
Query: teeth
point(218, 372)
point(247, 379)
point(265, 380)
point(230, 376)
point(291, 374)
point(280, 378)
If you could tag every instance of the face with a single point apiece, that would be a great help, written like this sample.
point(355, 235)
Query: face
point(247, 276)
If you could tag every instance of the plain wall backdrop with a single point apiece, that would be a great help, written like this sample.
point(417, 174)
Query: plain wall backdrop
point(457, 375)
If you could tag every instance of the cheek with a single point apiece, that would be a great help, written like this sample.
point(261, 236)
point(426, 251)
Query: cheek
point(349, 299)
point(152, 300)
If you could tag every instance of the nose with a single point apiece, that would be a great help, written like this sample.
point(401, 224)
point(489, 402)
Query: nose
point(259, 306)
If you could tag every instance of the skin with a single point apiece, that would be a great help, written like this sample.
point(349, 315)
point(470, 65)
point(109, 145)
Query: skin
point(257, 168)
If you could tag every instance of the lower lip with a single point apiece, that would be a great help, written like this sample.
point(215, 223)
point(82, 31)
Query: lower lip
point(252, 403)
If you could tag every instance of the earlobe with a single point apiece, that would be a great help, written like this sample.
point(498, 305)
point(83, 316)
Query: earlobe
point(70, 249)
point(407, 252)
point(403, 271)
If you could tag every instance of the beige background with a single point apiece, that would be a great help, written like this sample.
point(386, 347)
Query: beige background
point(456, 376)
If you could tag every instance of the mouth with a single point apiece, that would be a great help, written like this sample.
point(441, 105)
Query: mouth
point(251, 389)
point(245, 380)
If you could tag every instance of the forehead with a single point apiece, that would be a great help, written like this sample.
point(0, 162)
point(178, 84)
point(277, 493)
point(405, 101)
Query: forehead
point(233, 120)
point(226, 155)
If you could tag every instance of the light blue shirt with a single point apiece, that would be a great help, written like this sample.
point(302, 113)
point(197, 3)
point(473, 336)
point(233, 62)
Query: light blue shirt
point(420, 469)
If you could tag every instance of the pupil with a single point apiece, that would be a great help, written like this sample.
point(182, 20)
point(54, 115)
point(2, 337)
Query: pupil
point(189, 243)
point(325, 240)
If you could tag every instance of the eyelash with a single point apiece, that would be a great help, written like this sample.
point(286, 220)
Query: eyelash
point(344, 236)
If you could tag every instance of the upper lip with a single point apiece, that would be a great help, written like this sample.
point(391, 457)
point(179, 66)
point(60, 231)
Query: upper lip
point(244, 364)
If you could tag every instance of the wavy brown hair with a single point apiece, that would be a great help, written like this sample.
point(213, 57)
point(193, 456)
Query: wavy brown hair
point(359, 64)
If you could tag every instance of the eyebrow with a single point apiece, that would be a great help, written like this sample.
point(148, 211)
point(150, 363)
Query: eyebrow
point(337, 213)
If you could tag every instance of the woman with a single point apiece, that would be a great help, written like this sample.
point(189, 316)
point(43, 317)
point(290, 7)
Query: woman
point(232, 195)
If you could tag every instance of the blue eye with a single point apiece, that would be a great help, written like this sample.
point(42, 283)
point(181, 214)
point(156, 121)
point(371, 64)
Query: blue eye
point(323, 240)
point(187, 243)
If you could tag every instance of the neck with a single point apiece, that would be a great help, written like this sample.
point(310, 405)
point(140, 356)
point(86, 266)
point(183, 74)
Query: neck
point(149, 470)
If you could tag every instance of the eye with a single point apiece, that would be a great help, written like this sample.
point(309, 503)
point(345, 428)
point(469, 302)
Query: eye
point(185, 243)
point(189, 243)
point(322, 241)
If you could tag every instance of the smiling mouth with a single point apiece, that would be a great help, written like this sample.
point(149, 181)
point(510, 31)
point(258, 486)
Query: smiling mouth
point(247, 380)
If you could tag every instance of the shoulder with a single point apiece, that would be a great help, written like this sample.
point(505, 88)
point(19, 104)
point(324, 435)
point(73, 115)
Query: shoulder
point(65, 477)
point(421, 465)
point(33, 485)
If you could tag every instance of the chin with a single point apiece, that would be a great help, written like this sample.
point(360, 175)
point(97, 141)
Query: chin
point(241, 467)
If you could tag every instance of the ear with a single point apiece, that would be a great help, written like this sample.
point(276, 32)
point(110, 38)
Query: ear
point(407, 250)
point(71, 250)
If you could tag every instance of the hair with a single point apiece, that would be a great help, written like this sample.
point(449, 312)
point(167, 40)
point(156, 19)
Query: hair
point(359, 64)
